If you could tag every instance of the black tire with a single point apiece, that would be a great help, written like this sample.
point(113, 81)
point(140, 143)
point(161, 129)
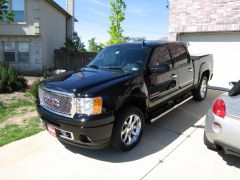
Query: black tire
point(208, 143)
point(123, 115)
point(198, 93)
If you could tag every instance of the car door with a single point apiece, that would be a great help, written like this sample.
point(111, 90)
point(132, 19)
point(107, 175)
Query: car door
point(182, 62)
point(163, 76)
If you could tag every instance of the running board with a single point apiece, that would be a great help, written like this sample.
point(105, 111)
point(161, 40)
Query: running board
point(168, 111)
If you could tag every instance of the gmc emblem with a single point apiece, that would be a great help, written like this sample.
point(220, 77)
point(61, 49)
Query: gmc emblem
point(52, 101)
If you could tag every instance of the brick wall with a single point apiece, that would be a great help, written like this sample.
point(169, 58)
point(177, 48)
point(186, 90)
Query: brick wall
point(203, 16)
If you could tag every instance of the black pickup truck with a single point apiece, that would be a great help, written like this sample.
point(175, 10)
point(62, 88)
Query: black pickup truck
point(124, 86)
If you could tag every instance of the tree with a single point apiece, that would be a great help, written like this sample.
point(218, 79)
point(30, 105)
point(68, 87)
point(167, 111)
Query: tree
point(5, 14)
point(94, 46)
point(117, 16)
point(75, 44)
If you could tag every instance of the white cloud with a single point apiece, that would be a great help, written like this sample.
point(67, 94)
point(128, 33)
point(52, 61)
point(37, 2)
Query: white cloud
point(97, 2)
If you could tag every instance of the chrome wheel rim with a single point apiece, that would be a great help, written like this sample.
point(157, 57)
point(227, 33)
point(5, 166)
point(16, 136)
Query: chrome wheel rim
point(131, 129)
point(203, 88)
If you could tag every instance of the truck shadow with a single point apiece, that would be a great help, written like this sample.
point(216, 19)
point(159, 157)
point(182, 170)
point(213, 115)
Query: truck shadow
point(159, 135)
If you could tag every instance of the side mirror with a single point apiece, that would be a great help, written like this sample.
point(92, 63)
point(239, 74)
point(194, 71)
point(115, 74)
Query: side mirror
point(232, 83)
point(160, 68)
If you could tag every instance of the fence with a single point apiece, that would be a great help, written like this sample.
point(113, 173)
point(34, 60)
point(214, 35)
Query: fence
point(69, 60)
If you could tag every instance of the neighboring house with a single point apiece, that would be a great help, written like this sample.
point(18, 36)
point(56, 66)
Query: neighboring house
point(39, 27)
point(210, 26)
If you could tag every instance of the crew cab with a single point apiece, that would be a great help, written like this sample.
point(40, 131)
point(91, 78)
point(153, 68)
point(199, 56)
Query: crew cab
point(122, 88)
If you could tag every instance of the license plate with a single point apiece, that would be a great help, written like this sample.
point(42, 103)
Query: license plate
point(51, 130)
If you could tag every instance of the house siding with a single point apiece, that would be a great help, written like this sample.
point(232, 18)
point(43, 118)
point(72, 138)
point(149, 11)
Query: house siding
point(203, 16)
point(31, 25)
point(53, 29)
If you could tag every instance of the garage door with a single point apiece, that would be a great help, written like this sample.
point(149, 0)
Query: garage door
point(225, 48)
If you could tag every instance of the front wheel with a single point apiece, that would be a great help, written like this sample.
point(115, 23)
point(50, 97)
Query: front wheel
point(128, 129)
point(200, 93)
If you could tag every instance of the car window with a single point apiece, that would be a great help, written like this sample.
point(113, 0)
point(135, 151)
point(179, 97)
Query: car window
point(128, 58)
point(160, 55)
point(179, 54)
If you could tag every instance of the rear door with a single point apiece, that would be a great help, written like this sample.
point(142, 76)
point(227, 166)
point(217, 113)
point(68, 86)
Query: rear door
point(162, 85)
point(184, 65)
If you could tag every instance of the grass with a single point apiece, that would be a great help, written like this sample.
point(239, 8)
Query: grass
point(9, 110)
point(13, 132)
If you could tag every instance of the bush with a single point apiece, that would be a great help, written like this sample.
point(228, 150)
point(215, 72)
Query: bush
point(9, 79)
point(34, 88)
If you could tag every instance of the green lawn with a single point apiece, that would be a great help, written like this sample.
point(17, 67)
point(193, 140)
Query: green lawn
point(10, 109)
point(14, 132)
point(14, 107)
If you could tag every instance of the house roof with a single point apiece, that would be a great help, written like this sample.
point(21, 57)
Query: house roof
point(54, 4)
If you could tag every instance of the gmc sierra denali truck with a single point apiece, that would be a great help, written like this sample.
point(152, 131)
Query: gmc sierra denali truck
point(124, 86)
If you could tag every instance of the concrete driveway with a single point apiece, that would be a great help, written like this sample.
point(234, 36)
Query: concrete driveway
point(171, 148)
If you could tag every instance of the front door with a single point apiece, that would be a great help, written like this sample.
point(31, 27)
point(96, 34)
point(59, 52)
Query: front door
point(162, 84)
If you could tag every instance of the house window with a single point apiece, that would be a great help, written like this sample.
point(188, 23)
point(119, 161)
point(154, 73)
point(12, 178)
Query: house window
point(23, 51)
point(18, 7)
point(9, 51)
point(16, 52)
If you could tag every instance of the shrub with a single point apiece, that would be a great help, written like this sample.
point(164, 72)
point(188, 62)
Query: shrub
point(34, 88)
point(9, 79)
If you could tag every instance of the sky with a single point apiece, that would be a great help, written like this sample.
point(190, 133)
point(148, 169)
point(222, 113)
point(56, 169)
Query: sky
point(144, 18)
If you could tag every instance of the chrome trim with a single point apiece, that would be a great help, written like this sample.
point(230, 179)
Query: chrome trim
point(73, 102)
point(54, 112)
point(174, 76)
point(163, 93)
point(168, 111)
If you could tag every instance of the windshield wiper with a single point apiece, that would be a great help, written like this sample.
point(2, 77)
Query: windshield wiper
point(93, 66)
point(113, 68)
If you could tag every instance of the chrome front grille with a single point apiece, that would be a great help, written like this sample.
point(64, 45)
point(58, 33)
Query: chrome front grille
point(58, 103)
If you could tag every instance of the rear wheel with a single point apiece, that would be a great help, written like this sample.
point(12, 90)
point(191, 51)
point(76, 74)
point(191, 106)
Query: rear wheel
point(200, 93)
point(128, 129)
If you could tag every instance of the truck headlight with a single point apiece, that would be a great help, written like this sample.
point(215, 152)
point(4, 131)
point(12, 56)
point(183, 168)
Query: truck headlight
point(89, 106)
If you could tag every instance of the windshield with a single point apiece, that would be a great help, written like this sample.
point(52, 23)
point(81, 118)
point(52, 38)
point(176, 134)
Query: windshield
point(125, 58)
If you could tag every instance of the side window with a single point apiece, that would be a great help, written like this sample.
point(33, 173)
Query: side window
point(160, 55)
point(179, 54)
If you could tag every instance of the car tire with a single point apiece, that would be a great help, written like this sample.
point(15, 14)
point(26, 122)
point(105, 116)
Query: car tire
point(127, 134)
point(200, 93)
point(208, 143)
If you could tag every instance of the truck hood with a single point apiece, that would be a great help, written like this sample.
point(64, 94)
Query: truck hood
point(79, 82)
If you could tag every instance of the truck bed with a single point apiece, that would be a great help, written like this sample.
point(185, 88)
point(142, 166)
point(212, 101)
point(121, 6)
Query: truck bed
point(200, 61)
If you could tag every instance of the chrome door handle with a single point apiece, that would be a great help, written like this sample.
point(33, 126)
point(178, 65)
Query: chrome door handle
point(190, 70)
point(174, 76)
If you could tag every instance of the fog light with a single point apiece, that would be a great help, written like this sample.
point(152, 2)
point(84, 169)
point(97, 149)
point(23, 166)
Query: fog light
point(84, 138)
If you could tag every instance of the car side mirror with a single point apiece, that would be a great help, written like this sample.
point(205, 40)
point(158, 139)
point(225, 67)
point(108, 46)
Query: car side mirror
point(232, 83)
point(160, 68)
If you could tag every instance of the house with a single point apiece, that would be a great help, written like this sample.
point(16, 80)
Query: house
point(210, 26)
point(39, 27)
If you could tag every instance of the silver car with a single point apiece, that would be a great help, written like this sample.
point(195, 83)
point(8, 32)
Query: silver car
point(222, 127)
